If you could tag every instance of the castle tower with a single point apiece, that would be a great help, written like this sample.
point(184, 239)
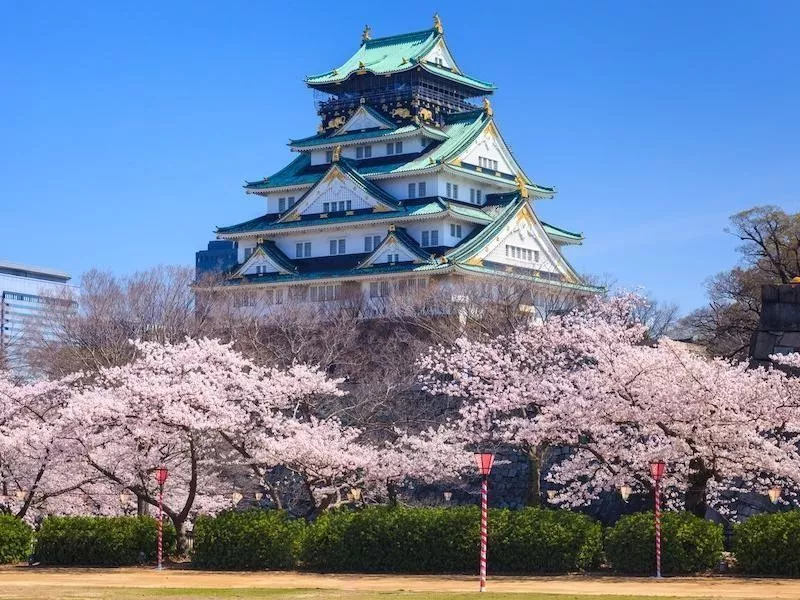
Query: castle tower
point(406, 183)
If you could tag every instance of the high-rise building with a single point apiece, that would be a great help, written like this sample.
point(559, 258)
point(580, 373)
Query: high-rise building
point(407, 182)
point(28, 297)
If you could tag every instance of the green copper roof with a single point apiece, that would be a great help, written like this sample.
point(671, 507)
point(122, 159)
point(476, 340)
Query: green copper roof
point(395, 54)
point(519, 274)
point(369, 134)
point(554, 231)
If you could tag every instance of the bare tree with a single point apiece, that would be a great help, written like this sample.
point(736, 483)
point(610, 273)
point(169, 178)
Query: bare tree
point(769, 253)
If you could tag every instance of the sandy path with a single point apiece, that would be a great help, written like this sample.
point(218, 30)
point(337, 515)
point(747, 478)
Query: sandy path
point(706, 587)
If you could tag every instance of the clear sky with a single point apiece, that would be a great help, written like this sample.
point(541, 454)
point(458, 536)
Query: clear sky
point(127, 129)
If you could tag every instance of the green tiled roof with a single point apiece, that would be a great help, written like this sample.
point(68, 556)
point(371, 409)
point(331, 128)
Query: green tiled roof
point(269, 222)
point(461, 129)
point(337, 273)
point(474, 242)
point(332, 140)
point(552, 230)
point(528, 277)
point(395, 54)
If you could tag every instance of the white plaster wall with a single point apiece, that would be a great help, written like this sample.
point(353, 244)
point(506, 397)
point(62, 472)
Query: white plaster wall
point(487, 146)
point(522, 236)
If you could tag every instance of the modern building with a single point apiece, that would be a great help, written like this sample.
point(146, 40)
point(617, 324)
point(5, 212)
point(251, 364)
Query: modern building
point(28, 296)
point(406, 182)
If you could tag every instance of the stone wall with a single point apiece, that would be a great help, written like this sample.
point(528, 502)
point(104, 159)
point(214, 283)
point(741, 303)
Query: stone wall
point(779, 328)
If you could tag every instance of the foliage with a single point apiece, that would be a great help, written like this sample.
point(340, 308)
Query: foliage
point(591, 381)
point(102, 541)
point(253, 539)
point(770, 244)
point(769, 544)
point(436, 540)
point(15, 539)
point(689, 544)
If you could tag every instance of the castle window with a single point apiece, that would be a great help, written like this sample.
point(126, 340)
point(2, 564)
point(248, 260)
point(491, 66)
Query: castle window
point(303, 250)
point(290, 202)
point(392, 258)
point(398, 147)
point(378, 289)
point(455, 231)
point(329, 156)
point(248, 252)
point(371, 242)
point(412, 190)
point(487, 163)
point(337, 247)
point(364, 152)
point(326, 207)
point(324, 293)
point(261, 270)
point(478, 199)
point(390, 148)
point(421, 188)
point(430, 238)
point(281, 204)
point(525, 254)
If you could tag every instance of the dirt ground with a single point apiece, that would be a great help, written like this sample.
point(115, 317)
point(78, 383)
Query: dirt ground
point(41, 582)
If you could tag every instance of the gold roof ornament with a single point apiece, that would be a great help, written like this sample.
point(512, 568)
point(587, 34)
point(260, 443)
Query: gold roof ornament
point(521, 186)
point(337, 154)
point(795, 280)
point(366, 35)
point(487, 107)
point(260, 241)
point(361, 65)
point(437, 23)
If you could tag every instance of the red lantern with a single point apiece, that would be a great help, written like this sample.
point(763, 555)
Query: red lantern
point(161, 475)
point(657, 469)
point(484, 461)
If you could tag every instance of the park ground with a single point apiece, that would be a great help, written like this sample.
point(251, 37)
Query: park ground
point(178, 584)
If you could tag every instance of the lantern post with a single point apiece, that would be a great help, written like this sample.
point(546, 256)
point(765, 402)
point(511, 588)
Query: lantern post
point(657, 469)
point(484, 461)
point(161, 478)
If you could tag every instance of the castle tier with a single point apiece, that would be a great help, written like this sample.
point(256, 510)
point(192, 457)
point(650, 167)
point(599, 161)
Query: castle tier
point(405, 182)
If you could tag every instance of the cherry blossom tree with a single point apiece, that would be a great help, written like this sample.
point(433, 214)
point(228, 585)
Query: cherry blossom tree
point(587, 380)
point(36, 465)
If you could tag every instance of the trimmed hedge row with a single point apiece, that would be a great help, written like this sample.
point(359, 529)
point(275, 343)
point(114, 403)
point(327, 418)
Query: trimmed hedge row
point(253, 539)
point(16, 538)
point(689, 544)
point(106, 541)
point(769, 544)
point(396, 539)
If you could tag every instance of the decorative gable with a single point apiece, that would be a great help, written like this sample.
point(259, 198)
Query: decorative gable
point(341, 189)
point(264, 261)
point(396, 247)
point(440, 56)
point(365, 118)
point(489, 152)
point(523, 242)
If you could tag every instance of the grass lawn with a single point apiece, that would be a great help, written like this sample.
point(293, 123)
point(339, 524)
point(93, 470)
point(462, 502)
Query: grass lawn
point(179, 584)
point(83, 593)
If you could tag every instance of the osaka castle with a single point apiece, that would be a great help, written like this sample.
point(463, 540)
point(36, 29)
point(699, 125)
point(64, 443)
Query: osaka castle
point(407, 183)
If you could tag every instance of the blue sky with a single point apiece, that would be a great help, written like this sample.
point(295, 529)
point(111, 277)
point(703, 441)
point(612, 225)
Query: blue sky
point(126, 131)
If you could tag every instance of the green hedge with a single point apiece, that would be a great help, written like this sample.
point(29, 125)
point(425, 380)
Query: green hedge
point(15, 539)
point(769, 544)
point(106, 541)
point(437, 540)
point(689, 544)
point(246, 540)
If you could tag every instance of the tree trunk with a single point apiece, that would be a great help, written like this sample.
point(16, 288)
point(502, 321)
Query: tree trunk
point(536, 458)
point(180, 537)
point(696, 492)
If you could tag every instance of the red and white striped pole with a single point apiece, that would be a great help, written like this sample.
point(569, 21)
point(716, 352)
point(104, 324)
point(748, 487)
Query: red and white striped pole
point(484, 528)
point(484, 460)
point(657, 469)
point(161, 478)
